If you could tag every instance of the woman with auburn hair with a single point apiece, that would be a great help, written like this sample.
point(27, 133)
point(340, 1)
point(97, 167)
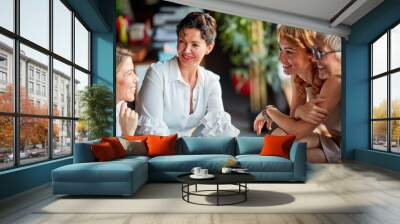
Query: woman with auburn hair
point(315, 100)
point(179, 95)
point(127, 119)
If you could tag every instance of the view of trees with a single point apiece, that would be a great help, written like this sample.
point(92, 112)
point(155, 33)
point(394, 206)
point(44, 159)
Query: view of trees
point(380, 127)
point(33, 131)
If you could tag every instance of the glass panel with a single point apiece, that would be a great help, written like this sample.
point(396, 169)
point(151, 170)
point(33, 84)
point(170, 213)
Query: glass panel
point(33, 140)
point(395, 136)
point(34, 97)
point(81, 131)
point(81, 81)
point(379, 55)
point(6, 74)
point(7, 14)
point(6, 142)
point(379, 97)
point(81, 45)
point(379, 135)
point(62, 89)
point(395, 47)
point(62, 141)
point(62, 29)
point(35, 21)
point(395, 94)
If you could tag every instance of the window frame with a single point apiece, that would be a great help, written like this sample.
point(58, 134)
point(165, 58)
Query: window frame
point(388, 74)
point(16, 115)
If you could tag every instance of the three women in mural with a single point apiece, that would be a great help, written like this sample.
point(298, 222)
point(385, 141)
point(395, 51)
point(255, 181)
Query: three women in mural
point(180, 96)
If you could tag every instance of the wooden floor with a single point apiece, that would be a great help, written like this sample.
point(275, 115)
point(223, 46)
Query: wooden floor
point(377, 188)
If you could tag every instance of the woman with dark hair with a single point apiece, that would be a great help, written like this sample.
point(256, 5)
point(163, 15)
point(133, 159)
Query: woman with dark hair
point(180, 96)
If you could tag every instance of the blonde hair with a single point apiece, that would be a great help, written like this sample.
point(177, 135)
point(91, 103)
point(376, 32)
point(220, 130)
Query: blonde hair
point(121, 55)
point(333, 42)
point(304, 39)
point(297, 36)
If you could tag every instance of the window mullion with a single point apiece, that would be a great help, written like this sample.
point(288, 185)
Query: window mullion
point(389, 106)
point(50, 81)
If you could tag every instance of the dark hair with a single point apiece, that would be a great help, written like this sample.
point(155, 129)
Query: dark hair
point(201, 21)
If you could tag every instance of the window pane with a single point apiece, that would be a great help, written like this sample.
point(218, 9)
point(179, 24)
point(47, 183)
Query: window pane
point(7, 14)
point(81, 45)
point(395, 47)
point(33, 140)
point(35, 21)
point(62, 141)
point(62, 29)
point(34, 80)
point(379, 135)
point(379, 97)
point(62, 89)
point(81, 81)
point(395, 136)
point(81, 131)
point(6, 74)
point(6, 142)
point(379, 55)
point(395, 94)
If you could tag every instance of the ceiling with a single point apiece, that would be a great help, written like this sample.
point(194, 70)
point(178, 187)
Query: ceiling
point(327, 16)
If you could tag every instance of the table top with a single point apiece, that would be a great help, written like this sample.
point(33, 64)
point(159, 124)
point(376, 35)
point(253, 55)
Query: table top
point(220, 178)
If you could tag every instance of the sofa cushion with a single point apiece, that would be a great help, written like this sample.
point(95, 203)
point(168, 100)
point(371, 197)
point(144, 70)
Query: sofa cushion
point(161, 145)
point(249, 145)
point(257, 163)
point(185, 163)
point(116, 145)
point(207, 145)
point(103, 152)
point(112, 171)
point(83, 152)
point(277, 145)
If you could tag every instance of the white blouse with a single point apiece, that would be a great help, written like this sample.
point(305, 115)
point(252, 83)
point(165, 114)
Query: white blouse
point(164, 109)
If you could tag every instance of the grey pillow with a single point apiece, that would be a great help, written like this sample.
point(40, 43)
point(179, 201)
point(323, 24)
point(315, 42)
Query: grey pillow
point(134, 147)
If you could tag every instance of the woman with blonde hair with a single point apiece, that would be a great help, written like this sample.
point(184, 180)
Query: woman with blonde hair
point(126, 119)
point(315, 100)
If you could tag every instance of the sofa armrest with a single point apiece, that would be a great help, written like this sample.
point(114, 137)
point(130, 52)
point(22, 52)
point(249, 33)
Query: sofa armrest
point(299, 158)
point(83, 152)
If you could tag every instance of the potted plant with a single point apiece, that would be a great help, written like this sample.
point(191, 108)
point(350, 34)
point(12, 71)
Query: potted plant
point(97, 104)
point(253, 50)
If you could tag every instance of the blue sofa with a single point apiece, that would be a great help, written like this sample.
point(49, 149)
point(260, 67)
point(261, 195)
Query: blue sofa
point(125, 176)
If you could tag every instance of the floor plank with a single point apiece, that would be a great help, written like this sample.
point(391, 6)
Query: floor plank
point(376, 189)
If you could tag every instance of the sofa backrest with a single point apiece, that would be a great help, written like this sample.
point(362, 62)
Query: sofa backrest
point(206, 145)
point(249, 145)
point(83, 153)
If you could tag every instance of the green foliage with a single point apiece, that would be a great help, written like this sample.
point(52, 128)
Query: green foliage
point(235, 35)
point(97, 104)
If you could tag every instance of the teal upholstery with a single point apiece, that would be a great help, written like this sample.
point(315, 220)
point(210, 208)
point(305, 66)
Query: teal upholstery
point(119, 177)
point(83, 152)
point(184, 163)
point(210, 145)
point(249, 145)
point(257, 163)
point(125, 176)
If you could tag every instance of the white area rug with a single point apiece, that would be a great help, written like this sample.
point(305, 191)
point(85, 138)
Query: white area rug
point(166, 198)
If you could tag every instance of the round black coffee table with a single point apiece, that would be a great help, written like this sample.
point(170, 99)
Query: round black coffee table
point(238, 179)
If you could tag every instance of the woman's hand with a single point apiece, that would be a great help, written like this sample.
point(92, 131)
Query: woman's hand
point(128, 120)
point(312, 113)
point(261, 120)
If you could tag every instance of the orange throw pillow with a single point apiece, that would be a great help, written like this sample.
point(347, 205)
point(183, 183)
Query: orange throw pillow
point(161, 145)
point(116, 145)
point(136, 137)
point(103, 152)
point(277, 145)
